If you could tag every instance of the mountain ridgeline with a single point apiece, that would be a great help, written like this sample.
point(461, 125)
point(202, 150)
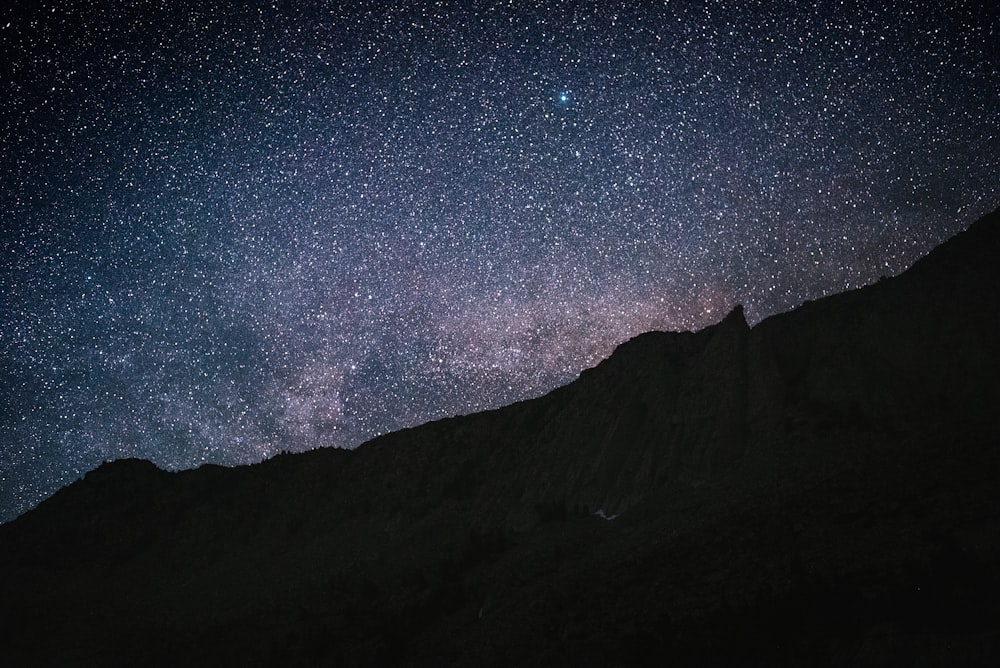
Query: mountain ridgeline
point(820, 489)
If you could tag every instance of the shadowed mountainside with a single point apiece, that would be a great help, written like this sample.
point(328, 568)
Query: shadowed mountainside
point(819, 490)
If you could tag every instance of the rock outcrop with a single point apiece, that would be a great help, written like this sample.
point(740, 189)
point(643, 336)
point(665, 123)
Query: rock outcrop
point(817, 489)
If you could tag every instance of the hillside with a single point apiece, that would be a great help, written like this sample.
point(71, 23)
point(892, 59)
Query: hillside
point(819, 489)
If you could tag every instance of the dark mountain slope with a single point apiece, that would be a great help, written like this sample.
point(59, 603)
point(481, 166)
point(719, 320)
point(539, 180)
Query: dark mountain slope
point(913, 352)
point(817, 490)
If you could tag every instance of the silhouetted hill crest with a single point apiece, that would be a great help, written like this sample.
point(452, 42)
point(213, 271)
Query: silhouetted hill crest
point(779, 492)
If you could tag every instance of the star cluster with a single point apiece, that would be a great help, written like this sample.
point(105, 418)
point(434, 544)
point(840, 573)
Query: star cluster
point(231, 231)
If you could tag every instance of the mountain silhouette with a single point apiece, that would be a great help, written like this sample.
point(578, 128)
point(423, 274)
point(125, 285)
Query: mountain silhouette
point(820, 489)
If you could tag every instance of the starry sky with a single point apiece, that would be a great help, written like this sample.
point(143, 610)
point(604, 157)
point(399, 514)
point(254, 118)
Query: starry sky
point(232, 231)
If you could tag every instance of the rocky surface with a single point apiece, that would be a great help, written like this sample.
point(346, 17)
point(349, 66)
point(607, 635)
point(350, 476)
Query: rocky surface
point(819, 490)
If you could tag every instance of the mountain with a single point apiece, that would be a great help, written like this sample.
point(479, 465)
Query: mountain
point(820, 489)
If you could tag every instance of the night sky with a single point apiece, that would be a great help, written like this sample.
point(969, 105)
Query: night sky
point(232, 232)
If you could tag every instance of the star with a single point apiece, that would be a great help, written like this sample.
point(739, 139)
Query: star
point(292, 226)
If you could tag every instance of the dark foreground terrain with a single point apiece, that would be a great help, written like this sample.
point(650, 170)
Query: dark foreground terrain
point(822, 489)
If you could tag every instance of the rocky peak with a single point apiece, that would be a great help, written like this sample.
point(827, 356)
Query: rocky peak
point(830, 473)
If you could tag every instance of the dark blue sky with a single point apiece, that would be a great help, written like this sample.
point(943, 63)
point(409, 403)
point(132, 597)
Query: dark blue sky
point(233, 231)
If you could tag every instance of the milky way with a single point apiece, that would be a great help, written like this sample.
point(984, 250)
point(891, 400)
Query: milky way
point(231, 232)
